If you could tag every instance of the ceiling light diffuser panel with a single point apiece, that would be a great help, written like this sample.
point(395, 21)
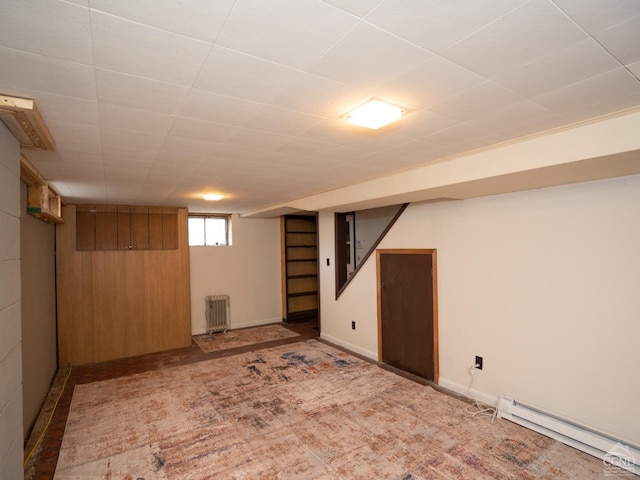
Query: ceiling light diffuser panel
point(374, 114)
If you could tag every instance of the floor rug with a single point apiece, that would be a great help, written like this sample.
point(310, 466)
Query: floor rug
point(242, 337)
point(297, 411)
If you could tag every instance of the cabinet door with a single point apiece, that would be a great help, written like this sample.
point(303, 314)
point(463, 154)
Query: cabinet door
point(85, 227)
point(124, 228)
point(169, 228)
point(140, 228)
point(107, 228)
point(155, 228)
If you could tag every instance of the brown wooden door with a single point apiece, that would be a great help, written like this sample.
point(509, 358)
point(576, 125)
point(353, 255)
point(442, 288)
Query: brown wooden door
point(407, 311)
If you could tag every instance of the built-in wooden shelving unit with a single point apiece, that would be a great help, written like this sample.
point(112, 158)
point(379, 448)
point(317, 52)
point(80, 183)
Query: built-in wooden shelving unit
point(300, 266)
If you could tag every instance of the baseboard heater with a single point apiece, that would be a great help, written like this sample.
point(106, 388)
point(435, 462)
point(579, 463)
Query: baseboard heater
point(217, 313)
point(611, 451)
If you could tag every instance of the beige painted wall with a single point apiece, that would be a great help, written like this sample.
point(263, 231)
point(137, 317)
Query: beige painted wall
point(248, 271)
point(543, 284)
point(39, 342)
point(11, 431)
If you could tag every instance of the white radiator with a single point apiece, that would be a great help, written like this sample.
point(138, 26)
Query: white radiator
point(217, 313)
point(611, 451)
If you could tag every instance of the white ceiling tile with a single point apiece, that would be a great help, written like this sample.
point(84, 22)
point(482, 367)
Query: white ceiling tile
point(518, 120)
point(172, 167)
point(597, 15)
point(213, 107)
point(135, 120)
point(612, 105)
point(77, 171)
point(585, 97)
point(200, 130)
point(173, 144)
point(126, 139)
point(320, 96)
point(118, 154)
point(200, 19)
point(421, 123)
point(340, 132)
point(38, 73)
point(123, 176)
point(302, 147)
point(438, 24)
point(356, 7)
point(529, 32)
point(577, 62)
point(430, 82)
point(258, 139)
point(635, 69)
point(622, 40)
point(281, 120)
point(135, 92)
point(367, 57)
point(242, 153)
point(65, 109)
point(290, 32)
point(463, 136)
point(136, 49)
point(68, 132)
point(476, 102)
point(226, 70)
point(47, 27)
point(80, 148)
point(413, 152)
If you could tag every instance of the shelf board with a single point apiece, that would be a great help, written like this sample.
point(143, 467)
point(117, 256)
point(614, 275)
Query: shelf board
point(307, 275)
point(302, 314)
point(301, 232)
point(302, 294)
point(301, 246)
point(302, 260)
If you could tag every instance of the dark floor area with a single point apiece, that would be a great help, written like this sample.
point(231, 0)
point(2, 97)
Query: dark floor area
point(42, 463)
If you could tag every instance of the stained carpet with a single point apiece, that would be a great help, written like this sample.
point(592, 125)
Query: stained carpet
point(297, 411)
point(242, 337)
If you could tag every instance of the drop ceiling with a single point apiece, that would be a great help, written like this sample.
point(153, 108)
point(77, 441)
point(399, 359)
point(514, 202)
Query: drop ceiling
point(157, 102)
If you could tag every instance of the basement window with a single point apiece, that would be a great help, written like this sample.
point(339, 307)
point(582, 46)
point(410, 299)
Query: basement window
point(207, 230)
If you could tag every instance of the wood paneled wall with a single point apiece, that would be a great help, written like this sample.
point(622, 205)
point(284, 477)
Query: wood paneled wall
point(120, 303)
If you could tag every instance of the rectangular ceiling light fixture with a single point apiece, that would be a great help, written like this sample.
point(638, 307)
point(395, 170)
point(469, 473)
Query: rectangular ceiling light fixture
point(374, 114)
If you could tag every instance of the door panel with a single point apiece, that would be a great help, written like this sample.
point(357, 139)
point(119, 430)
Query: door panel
point(407, 312)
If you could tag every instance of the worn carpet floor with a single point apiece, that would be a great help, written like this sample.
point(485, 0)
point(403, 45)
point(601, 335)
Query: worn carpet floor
point(298, 411)
point(242, 337)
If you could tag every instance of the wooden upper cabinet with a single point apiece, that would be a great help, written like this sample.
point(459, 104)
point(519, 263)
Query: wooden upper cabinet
point(105, 227)
point(140, 228)
point(124, 228)
point(169, 228)
point(85, 227)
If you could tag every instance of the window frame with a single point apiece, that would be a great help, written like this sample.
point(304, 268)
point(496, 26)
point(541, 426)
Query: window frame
point(225, 216)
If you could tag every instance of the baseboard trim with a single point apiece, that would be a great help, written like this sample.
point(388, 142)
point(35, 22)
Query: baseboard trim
point(464, 391)
point(349, 346)
point(237, 326)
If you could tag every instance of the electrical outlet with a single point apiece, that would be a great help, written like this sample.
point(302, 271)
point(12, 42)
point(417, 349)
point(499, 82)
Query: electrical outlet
point(478, 363)
point(353, 325)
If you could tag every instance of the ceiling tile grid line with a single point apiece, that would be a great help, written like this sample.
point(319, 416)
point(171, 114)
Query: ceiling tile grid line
point(609, 52)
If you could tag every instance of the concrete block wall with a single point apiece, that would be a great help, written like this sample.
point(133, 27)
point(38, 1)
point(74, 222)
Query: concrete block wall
point(11, 431)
